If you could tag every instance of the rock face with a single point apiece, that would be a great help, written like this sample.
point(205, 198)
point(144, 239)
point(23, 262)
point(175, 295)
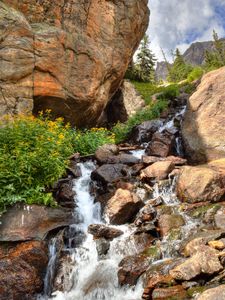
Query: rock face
point(124, 104)
point(204, 124)
point(67, 56)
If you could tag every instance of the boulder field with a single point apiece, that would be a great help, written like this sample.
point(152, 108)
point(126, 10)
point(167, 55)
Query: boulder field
point(67, 56)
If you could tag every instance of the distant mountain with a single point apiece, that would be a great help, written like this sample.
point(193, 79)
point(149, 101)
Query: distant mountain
point(194, 55)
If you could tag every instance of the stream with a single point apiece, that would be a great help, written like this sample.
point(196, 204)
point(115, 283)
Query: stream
point(92, 278)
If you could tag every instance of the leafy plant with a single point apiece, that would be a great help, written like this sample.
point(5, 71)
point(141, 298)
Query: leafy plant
point(195, 74)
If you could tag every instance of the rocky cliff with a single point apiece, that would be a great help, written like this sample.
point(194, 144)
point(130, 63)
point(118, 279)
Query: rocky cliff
point(69, 55)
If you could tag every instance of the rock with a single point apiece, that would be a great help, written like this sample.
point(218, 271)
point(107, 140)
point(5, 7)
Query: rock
point(219, 245)
point(220, 218)
point(204, 261)
point(32, 222)
point(64, 193)
point(146, 214)
point(91, 42)
point(204, 140)
point(170, 293)
point(166, 223)
point(103, 231)
point(108, 173)
point(177, 161)
point(140, 241)
point(159, 170)
point(124, 104)
point(122, 207)
point(144, 132)
point(161, 144)
point(131, 268)
point(74, 169)
point(21, 270)
point(200, 183)
point(104, 152)
point(102, 246)
point(200, 238)
point(217, 293)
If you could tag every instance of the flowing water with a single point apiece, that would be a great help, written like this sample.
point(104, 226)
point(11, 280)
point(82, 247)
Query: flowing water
point(94, 278)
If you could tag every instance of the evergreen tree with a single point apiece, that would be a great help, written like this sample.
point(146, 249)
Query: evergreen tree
point(145, 62)
point(179, 70)
point(216, 58)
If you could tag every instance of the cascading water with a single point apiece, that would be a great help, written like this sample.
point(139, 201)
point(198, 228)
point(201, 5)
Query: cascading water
point(95, 278)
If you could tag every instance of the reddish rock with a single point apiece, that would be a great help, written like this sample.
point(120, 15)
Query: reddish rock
point(176, 160)
point(22, 269)
point(131, 268)
point(73, 57)
point(122, 207)
point(217, 293)
point(159, 170)
point(204, 140)
point(170, 293)
point(166, 223)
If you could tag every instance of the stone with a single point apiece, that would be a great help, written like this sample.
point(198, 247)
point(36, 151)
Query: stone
point(204, 140)
point(143, 133)
point(124, 104)
point(103, 231)
point(176, 292)
point(161, 145)
point(102, 247)
point(201, 183)
point(204, 261)
point(159, 170)
point(146, 214)
point(68, 57)
point(219, 218)
point(108, 173)
point(131, 268)
point(104, 152)
point(122, 207)
point(64, 193)
point(32, 222)
point(219, 245)
point(166, 223)
point(176, 160)
point(217, 293)
point(21, 270)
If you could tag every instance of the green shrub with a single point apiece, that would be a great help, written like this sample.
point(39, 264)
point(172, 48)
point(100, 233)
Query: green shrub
point(146, 90)
point(34, 154)
point(169, 92)
point(152, 111)
point(195, 74)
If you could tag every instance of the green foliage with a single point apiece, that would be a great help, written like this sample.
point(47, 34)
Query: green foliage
point(34, 155)
point(152, 111)
point(143, 70)
point(195, 74)
point(146, 90)
point(216, 58)
point(179, 70)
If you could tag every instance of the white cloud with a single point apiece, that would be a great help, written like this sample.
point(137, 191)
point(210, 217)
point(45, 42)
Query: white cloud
point(176, 23)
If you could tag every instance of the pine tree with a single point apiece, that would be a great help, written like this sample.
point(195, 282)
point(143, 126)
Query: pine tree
point(145, 62)
point(179, 70)
point(216, 58)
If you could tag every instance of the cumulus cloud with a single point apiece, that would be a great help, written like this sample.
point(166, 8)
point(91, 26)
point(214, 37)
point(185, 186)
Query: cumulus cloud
point(176, 23)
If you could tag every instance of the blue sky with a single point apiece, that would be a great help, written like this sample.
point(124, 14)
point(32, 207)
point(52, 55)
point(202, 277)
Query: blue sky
point(178, 23)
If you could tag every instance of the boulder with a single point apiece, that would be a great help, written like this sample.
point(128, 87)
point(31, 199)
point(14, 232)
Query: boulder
point(204, 261)
point(124, 104)
point(32, 222)
point(217, 293)
point(201, 183)
point(219, 218)
point(161, 145)
point(159, 170)
point(204, 140)
point(166, 223)
point(22, 269)
point(102, 247)
point(176, 292)
point(143, 133)
point(104, 152)
point(108, 173)
point(64, 193)
point(131, 268)
point(103, 231)
point(123, 207)
point(69, 57)
point(176, 160)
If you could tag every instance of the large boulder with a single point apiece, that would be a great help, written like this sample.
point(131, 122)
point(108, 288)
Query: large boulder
point(22, 269)
point(202, 183)
point(67, 56)
point(203, 127)
point(217, 293)
point(123, 207)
